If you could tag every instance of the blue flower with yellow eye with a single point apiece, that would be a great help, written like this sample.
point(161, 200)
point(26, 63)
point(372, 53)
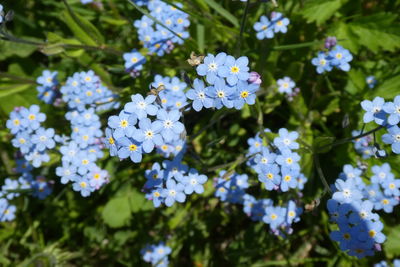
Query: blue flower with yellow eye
point(211, 66)
point(234, 70)
point(130, 148)
point(148, 134)
point(199, 96)
point(123, 124)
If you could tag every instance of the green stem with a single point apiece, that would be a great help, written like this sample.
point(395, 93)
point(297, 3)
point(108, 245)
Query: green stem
point(242, 26)
point(296, 46)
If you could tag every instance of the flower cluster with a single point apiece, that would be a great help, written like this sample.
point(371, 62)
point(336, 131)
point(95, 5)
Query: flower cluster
point(266, 28)
point(157, 255)
point(85, 88)
point(363, 145)
point(30, 138)
point(48, 89)
point(277, 171)
point(371, 81)
point(385, 114)
point(157, 38)
point(38, 187)
point(228, 80)
point(173, 95)
point(171, 182)
point(335, 56)
point(352, 206)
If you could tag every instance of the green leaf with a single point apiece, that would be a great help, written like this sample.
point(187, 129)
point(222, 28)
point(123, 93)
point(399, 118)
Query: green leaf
point(77, 29)
point(320, 11)
point(379, 31)
point(10, 89)
point(138, 202)
point(9, 49)
point(392, 244)
point(223, 12)
point(356, 81)
point(333, 106)
point(200, 37)
point(117, 213)
point(388, 89)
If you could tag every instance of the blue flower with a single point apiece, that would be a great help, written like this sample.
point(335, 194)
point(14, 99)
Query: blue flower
point(23, 142)
point(391, 187)
point(269, 175)
point(48, 78)
point(109, 142)
point(10, 185)
point(346, 191)
point(265, 158)
point(141, 107)
point(374, 110)
point(349, 172)
point(130, 148)
point(67, 173)
point(211, 66)
point(149, 134)
point(173, 192)
point(274, 216)
point(194, 182)
point(37, 158)
point(280, 23)
point(169, 123)
point(123, 124)
point(234, 70)
point(33, 116)
point(84, 161)
point(385, 203)
point(393, 109)
point(82, 185)
point(362, 211)
point(221, 93)
point(245, 93)
point(293, 212)
point(97, 177)
point(371, 81)
point(43, 139)
point(134, 60)
point(199, 96)
point(41, 188)
point(340, 58)
point(286, 139)
point(264, 28)
point(155, 176)
point(7, 211)
point(322, 62)
point(16, 123)
point(393, 138)
point(288, 159)
point(288, 179)
point(175, 169)
point(156, 195)
point(381, 173)
point(285, 85)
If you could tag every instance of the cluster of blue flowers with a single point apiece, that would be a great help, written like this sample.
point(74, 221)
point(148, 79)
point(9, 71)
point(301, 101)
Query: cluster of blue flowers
point(230, 83)
point(134, 62)
point(81, 150)
point(396, 263)
point(266, 28)
point(363, 145)
point(48, 89)
point(30, 138)
point(38, 187)
point(173, 95)
point(387, 115)
point(352, 206)
point(85, 89)
point(157, 255)
point(371, 81)
point(155, 37)
point(277, 171)
point(334, 56)
point(171, 182)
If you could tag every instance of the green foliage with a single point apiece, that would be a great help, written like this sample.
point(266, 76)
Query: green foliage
point(114, 224)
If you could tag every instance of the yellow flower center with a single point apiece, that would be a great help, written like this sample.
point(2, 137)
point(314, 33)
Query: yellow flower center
point(339, 55)
point(85, 162)
point(83, 184)
point(346, 236)
point(22, 141)
point(156, 194)
point(371, 233)
point(288, 178)
point(385, 201)
point(291, 214)
point(273, 216)
point(133, 147)
point(164, 147)
point(124, 123)
point(235, 69)
point(270, 176)
point(244, 94)
point(289, 160)
point(89, 93)
point(111, 141)
point(280, 23)
point(264, 27)
point(134, 60)
point(96, 176)
point(31, 117)
point(85, 137)
point(16, 122)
